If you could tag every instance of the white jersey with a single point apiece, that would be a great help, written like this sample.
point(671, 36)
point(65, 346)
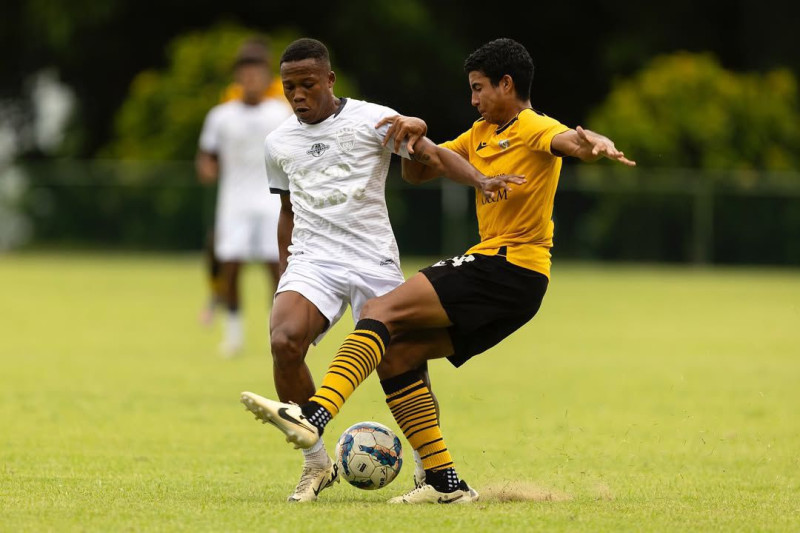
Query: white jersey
point(335, 172)
point(235, 132)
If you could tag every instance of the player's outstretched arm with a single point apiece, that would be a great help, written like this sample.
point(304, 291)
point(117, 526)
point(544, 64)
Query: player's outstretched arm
point(443, 162)
point(429, 161)
point(587, 145)
point(415, 172)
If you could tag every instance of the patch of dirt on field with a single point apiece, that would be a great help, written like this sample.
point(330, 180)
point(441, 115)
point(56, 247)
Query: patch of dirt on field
point(602, 492)
point(522, 491)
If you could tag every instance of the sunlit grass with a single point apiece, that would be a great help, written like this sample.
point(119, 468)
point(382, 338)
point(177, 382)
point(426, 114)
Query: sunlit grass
point(644, 398)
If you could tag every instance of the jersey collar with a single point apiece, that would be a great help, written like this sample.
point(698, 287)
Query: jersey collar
point(505, 126)
point(342, 103)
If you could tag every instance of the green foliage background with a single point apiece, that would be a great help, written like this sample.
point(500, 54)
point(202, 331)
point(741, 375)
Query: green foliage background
point(718, 154)
point(731, 140)
point(163, 114)
point(685, 110)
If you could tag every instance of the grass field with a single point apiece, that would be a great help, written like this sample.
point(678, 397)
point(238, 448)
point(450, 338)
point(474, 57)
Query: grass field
point(641, 398)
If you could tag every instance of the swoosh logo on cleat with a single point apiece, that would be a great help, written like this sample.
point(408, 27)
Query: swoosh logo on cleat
point(325, 483)
point(293, 420)
point(451, 500)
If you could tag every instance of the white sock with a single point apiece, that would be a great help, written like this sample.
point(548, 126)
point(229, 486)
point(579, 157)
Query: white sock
point(234, 329)
point(316, 456)
point(418, 468)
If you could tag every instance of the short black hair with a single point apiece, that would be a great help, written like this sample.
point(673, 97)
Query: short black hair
point(305, 48)
point(254, 51)
point(497, 58)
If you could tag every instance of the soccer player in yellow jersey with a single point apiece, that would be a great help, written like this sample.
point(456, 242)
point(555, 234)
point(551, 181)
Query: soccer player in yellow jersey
point(459, 307)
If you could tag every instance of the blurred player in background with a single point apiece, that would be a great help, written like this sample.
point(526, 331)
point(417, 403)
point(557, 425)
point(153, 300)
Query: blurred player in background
point(459, 307)
point(216, 280)
point(329, 167)
point(231, 151)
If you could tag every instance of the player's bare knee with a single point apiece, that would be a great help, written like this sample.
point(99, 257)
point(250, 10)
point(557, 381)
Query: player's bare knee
point(376, 309)
point(287, 350)
point(387, 368)
point(370, 309)
point(395, 361)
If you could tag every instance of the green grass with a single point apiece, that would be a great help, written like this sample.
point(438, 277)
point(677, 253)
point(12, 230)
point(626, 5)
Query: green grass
point(641, 398)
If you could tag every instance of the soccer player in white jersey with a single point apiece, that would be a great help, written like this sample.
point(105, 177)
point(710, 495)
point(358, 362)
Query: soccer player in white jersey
point(336, 243)
point(231, 150)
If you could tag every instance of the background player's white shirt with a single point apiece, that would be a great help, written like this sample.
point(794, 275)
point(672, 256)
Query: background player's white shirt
point(336, 173)
point(235, 132)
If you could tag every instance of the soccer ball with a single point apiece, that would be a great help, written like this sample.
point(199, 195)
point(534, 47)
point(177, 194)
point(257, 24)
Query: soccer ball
point(369, 455)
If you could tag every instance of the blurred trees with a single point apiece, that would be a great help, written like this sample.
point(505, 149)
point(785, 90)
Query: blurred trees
point(145, 73)
point(162, 116)
point(405, 54)
point(686, 113)
point(685, 110)
point(163, 113)
point(164, 110)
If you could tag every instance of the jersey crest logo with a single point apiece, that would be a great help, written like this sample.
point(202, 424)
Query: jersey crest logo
point(504, 144)
point(317, 149)
point(481, 146)
point(346, 139)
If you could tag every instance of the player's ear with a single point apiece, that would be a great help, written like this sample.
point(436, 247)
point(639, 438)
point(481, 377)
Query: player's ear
point(507, 83)
point(331, 78)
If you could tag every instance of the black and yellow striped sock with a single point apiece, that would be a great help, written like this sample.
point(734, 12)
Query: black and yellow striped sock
point(356, 359)
point(411, 403)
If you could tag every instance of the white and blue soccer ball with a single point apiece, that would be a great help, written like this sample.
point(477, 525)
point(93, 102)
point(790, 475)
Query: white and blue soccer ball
point(369, 455)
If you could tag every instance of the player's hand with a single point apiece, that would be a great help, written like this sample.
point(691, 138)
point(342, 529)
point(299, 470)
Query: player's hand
point(492, 185)
point(402, 128)
point(599, 146)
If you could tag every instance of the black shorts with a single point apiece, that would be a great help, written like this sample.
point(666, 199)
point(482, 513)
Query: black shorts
point(486, 298)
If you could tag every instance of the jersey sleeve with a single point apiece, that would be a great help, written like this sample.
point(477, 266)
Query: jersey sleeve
point(276, 176)
point(537, 131)
point(380, 133)
point(209, 136)
point(459, 145)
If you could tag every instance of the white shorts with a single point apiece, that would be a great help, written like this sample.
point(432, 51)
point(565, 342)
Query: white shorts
point(332, 286)
point(247, 236)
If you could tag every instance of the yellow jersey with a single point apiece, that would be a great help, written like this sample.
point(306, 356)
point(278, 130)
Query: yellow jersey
point(520, 220)
point(234, 91)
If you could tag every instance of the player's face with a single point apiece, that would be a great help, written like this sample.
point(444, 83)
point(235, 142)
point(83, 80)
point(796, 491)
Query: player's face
point(254, 79)
point(308, 85)
point(489, 100)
